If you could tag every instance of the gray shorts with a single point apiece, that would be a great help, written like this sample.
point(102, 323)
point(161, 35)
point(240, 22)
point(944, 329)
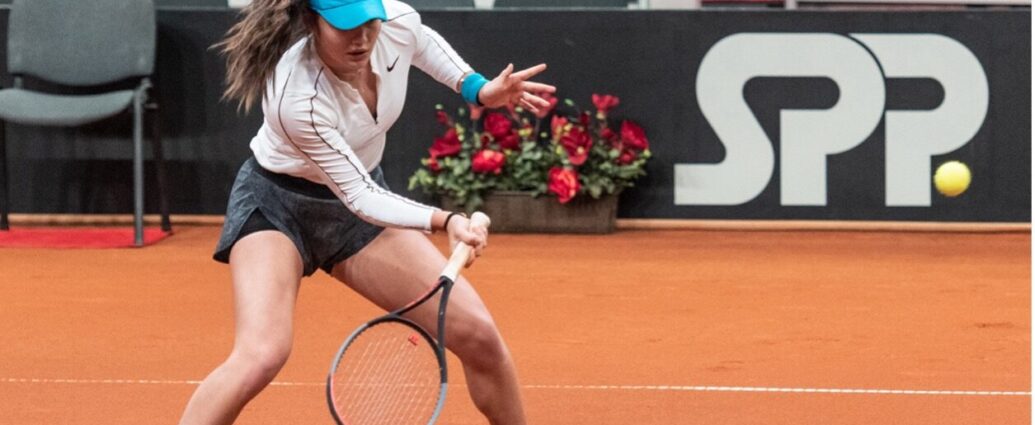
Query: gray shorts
point(321, 227)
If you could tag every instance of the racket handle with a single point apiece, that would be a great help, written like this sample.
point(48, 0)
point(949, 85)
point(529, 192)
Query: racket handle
point(463, 251)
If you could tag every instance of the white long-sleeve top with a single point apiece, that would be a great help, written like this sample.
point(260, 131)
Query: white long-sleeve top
point(317, 127)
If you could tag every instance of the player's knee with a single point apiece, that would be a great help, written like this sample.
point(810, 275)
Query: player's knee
point(481, 345)
point(261, 362)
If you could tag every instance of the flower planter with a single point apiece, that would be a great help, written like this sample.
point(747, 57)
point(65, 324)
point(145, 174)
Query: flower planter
point(519, 212)
point(562, 150)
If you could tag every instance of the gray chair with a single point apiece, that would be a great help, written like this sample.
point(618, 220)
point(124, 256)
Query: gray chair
point(91, 48)
point(441, 4)
point(562, 4)
point(191, 3)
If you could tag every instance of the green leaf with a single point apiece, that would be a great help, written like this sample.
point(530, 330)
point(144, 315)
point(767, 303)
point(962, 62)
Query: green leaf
point(594, 191)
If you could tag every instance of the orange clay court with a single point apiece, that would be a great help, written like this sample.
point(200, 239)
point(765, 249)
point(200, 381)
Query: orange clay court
point(638, 327)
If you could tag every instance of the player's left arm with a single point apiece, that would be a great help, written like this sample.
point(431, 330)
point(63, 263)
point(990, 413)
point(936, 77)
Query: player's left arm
point(437, 58)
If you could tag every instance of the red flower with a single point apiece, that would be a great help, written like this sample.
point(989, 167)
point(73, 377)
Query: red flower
point(488, 161)
point(447, 145)
point(433, 165)
point(476, 111)
point(498, 125)
point(633, 136)
point(511, 141)
point(557, 124)
point(577, 143)
point(604, 103)
point(442, 118)
point(543, 112)
point(564, 182)
point(627, 157)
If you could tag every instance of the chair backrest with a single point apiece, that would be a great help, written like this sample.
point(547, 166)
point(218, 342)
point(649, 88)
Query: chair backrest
point(81, 42)
point(560, 4)
point(440, 4)
point(191, 3)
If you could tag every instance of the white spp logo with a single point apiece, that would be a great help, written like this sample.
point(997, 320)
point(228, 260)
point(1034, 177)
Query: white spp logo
point(807, 137)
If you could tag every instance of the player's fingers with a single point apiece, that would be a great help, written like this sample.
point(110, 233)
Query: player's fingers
point(484, 233)
point(475, 253)
point(471, 239)
point(529, 106)
point(505, 75)
point(527, 73)
point(536, 100)
point(534, 87)
point(477, 229)
point(475, 237)
point(483, 240)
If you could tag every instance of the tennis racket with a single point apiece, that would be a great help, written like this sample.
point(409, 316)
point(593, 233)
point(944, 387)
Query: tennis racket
point(390, 370)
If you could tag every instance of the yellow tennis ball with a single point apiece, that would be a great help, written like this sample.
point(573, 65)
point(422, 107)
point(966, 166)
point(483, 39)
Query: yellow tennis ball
point(952, 178)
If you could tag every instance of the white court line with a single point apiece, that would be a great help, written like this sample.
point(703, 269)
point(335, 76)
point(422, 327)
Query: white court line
point(699, 388)
point(661, 388)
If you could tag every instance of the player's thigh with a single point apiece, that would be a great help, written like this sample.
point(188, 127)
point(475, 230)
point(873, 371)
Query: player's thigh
point(400, 265)
point(266, 270)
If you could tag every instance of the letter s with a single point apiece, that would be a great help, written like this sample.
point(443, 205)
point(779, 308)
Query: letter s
point(806, 136)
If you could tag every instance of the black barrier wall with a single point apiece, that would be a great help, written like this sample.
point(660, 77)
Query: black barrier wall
point(760, 115)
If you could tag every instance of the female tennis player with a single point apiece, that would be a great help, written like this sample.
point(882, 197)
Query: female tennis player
point(332, 77)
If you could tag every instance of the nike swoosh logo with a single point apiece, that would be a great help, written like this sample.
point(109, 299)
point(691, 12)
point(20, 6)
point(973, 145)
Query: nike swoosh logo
point(392, 66)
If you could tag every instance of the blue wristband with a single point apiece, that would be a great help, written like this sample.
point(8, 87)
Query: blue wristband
point(472, 85)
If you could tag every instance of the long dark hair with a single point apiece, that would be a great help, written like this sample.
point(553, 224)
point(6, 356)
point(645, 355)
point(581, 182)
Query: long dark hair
point(254, 45)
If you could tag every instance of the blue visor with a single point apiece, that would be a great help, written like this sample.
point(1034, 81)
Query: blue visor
point(349, 14)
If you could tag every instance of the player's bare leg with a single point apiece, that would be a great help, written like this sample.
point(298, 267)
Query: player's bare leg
point(266, 270)
point(399, 266)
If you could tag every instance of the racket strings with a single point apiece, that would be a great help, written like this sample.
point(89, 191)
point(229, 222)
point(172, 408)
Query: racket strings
point(384, 398)
point(403, 395)
point(388, 375)
point(408, 391)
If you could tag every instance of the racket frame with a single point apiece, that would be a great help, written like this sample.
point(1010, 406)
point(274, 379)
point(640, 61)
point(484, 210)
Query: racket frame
point(461, 254)
point(445, 284)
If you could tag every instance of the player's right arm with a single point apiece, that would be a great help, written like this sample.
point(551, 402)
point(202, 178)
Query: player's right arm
point(310, 126)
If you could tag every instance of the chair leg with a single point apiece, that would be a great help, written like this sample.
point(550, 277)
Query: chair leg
point(138, 169)
point(156, 145)
point(5, 203)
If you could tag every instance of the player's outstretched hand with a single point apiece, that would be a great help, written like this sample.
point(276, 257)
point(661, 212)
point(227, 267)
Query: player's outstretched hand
point(513, 89)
